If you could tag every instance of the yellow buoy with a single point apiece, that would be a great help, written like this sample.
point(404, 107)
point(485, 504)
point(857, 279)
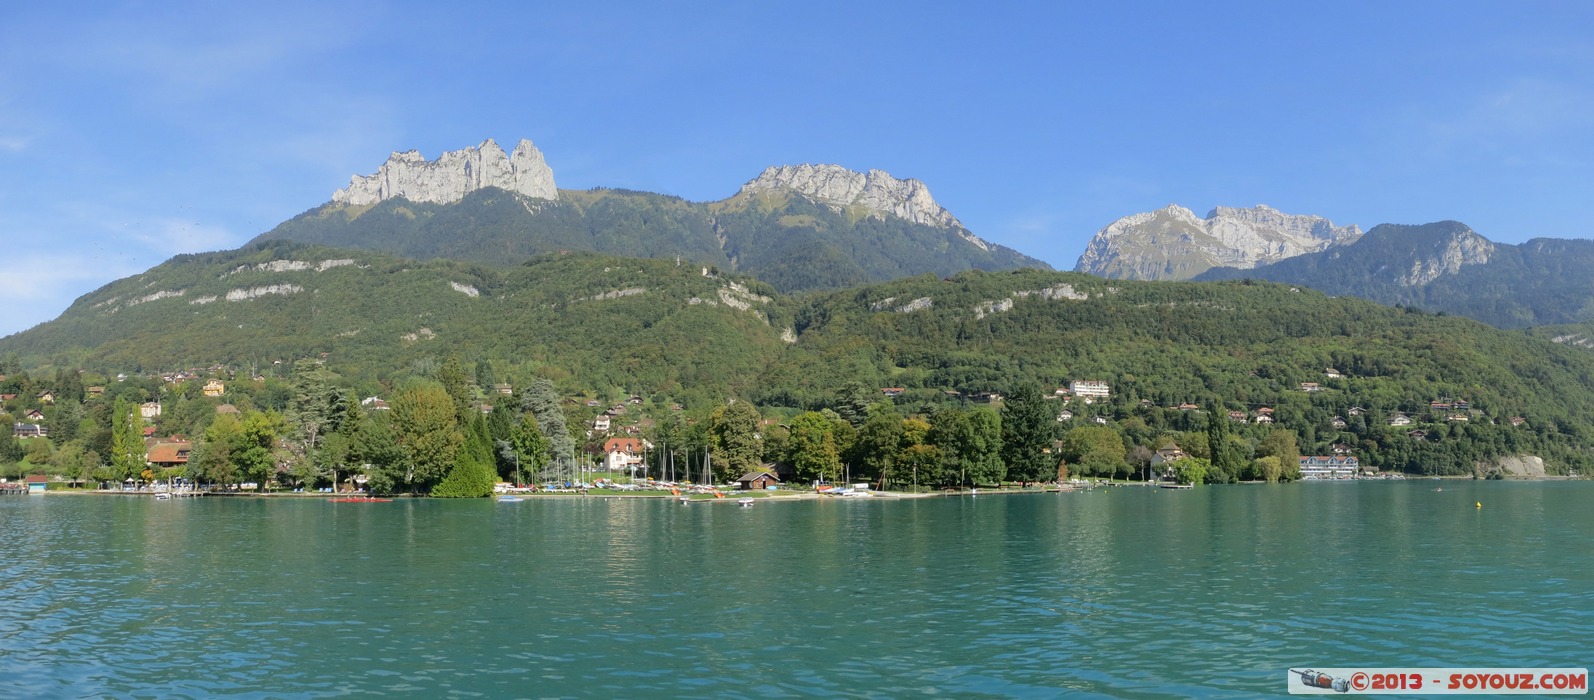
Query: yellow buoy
point(1480, 504)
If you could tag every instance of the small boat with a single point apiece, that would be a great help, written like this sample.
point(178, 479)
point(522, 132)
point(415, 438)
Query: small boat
point(745, 502)
point(163, 496)
point(358, 499)
point(1178, 486)
point(506, 498)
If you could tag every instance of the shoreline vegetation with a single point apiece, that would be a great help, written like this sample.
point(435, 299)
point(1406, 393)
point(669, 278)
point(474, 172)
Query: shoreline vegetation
point(448, 431)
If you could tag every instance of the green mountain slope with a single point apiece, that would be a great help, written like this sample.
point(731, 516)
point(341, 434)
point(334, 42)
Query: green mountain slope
point(1447, 267)
point(603, 324)
point(789, 240)
point(611, 321)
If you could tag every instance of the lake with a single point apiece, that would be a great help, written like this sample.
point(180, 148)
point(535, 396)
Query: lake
point(1125, 592)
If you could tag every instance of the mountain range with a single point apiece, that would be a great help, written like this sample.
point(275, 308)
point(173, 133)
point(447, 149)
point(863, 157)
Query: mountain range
point(796, 227)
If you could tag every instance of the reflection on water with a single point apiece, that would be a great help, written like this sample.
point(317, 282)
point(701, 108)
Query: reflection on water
point(1121, 593)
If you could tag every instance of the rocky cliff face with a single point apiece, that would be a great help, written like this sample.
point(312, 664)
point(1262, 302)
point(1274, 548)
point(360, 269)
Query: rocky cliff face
point(1460, 250)
point(1173, 243)
point(875, 190)
point(452, 175)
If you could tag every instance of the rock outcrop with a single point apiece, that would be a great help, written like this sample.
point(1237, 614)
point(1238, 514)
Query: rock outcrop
point(455, 173)
point(1460, 250)
point(1172, 243)
point(876, 191)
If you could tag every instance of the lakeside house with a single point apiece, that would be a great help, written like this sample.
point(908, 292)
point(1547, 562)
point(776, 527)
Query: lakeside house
point(38, 483)
point(758, 480)
point(1329, 467)
point(172, 453)
point(1171, 453)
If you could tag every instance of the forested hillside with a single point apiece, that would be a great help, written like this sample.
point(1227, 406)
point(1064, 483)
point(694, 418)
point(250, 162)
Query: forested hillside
point(1328, 371)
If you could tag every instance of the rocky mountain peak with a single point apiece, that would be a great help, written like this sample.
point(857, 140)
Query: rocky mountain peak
point(875, 190)
point(454, 174)
point(1174, 243)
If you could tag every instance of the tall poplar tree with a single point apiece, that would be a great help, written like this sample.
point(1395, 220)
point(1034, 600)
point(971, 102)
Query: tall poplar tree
point(428, 430)
point(127, 439)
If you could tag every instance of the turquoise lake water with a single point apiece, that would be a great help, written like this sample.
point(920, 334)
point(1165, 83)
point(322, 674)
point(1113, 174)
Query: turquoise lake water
point(1126, 592)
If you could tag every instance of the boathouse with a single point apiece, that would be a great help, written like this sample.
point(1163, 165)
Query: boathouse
point(758, 481)
point(37, 483)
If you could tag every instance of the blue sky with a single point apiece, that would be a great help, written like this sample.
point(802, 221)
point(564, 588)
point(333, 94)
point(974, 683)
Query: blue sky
point(130, 132)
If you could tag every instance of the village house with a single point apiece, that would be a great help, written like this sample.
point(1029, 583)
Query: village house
point(601, 423)
point(504, 389)
point(29, 430)
point(1418, 434)
point(1310, 387)
point(149, 410)
point(373, 403)
point(1264, 418)
point(623, 453)
point(1332, 373)
point(172, 453)
point(96, 391)
point(1355, 411)
point(1517, 421)
point(1340, 448)
point(7, 397)
point(1164, 455)
point(1400, 419)
point(1188, 407)
point(1100, 420)
point(33, 416)
point(1329, 467)
point(893, 390)
point(1338, 423)
point(1089, 387)
point(1239, 416)
point(214, 388)
point(1065, 415)
point(1457, 418)
point(47, 397)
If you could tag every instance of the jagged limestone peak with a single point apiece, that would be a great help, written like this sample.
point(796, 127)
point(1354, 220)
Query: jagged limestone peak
point(1174, 243)
point(875, 190)
point(454, 174)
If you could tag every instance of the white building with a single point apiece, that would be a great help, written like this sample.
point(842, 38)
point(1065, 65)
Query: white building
point(1088, 387)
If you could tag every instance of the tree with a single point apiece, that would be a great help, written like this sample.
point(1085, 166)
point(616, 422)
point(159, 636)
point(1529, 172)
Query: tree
point(473, 475)
point(375, 445)
point(1190, 470)
point(853, 402)
point(1027, 426)
point(530, 446)
point(452, 377)
point(811, 448)
point(127, 440)
point(1227, 461)
point(318, 406)
point(733, 429)
point(1279, 443)
point(256, 454)
point(879, 440)
point(1266, 469)
point(211, 458)
point(427, 427)
point(543, 403)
